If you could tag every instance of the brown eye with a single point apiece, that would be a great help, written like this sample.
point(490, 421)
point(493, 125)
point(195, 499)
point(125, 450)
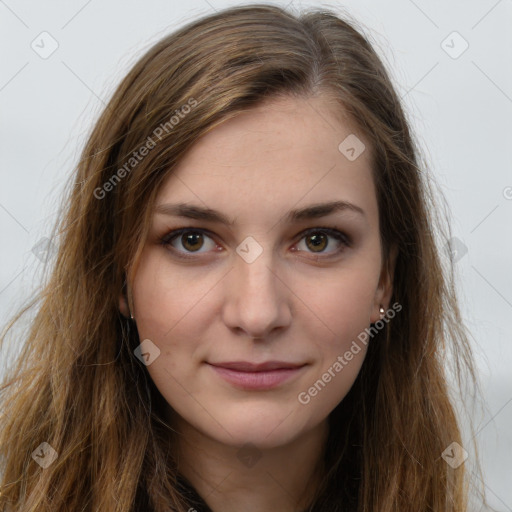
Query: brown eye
point(318, 242)
point(188, 241)
point(192, 241)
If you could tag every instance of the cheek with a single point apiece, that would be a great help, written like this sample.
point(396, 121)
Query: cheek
point(341, 307)
point(168, 305)
point(164, 297)
point(342, 311)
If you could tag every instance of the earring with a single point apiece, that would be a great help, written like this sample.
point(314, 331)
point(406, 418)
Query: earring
point(129, 310)
point(381, 311)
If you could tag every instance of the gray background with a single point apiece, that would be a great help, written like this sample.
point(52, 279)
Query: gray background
point(460, 107)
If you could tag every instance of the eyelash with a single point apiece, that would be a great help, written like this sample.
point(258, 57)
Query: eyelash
point(334, 233)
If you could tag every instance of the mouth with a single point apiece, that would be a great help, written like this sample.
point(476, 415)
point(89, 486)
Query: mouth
point(257, 376)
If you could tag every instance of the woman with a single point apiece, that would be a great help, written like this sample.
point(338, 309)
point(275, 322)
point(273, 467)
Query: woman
point(249, 309)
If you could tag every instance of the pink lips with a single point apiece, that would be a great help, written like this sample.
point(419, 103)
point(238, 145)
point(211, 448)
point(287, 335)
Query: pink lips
point(253, 376)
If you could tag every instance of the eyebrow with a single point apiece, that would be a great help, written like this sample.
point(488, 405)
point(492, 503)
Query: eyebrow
point(313, 211)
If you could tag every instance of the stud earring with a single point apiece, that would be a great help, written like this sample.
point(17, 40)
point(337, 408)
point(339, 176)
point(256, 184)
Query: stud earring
point(381, 311)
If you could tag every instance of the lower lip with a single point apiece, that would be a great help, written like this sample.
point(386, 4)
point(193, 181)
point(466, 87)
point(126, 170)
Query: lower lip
point(257, 380)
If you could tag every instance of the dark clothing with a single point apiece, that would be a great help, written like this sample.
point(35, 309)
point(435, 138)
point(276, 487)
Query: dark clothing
point(342, 501)
point(199, 505)
point(192, 496)
point(195, 500)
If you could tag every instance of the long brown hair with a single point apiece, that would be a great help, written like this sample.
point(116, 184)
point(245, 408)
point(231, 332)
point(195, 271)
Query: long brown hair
point(77, 385)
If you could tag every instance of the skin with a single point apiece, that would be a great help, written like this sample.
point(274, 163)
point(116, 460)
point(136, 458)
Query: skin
point(296, 302)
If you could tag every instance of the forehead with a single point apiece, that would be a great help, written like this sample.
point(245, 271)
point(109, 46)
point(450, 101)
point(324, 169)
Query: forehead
point(283, 154)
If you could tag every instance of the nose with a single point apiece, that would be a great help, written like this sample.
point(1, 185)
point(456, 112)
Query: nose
point(257, 301)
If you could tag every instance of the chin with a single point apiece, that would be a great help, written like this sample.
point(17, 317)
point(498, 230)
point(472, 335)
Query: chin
point(262, 432)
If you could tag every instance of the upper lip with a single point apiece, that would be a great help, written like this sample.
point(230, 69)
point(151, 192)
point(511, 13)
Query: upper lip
point(245, 366)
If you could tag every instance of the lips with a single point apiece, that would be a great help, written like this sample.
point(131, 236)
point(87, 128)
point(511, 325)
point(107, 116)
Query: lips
point(256, 376)
point(245, 366)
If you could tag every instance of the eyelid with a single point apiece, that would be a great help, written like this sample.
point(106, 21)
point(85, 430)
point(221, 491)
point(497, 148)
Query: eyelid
point(344, 239)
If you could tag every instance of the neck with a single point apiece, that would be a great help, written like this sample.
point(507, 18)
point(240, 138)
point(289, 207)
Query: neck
point(231, 479)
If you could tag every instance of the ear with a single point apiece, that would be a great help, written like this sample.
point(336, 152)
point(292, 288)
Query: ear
point(123, 305)
point(385, 287)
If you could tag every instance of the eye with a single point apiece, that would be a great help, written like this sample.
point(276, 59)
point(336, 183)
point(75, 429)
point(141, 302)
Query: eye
point(317, 240)
point(192, 240)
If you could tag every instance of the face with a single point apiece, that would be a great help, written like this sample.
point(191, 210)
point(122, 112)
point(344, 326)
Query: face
point(247, 272)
